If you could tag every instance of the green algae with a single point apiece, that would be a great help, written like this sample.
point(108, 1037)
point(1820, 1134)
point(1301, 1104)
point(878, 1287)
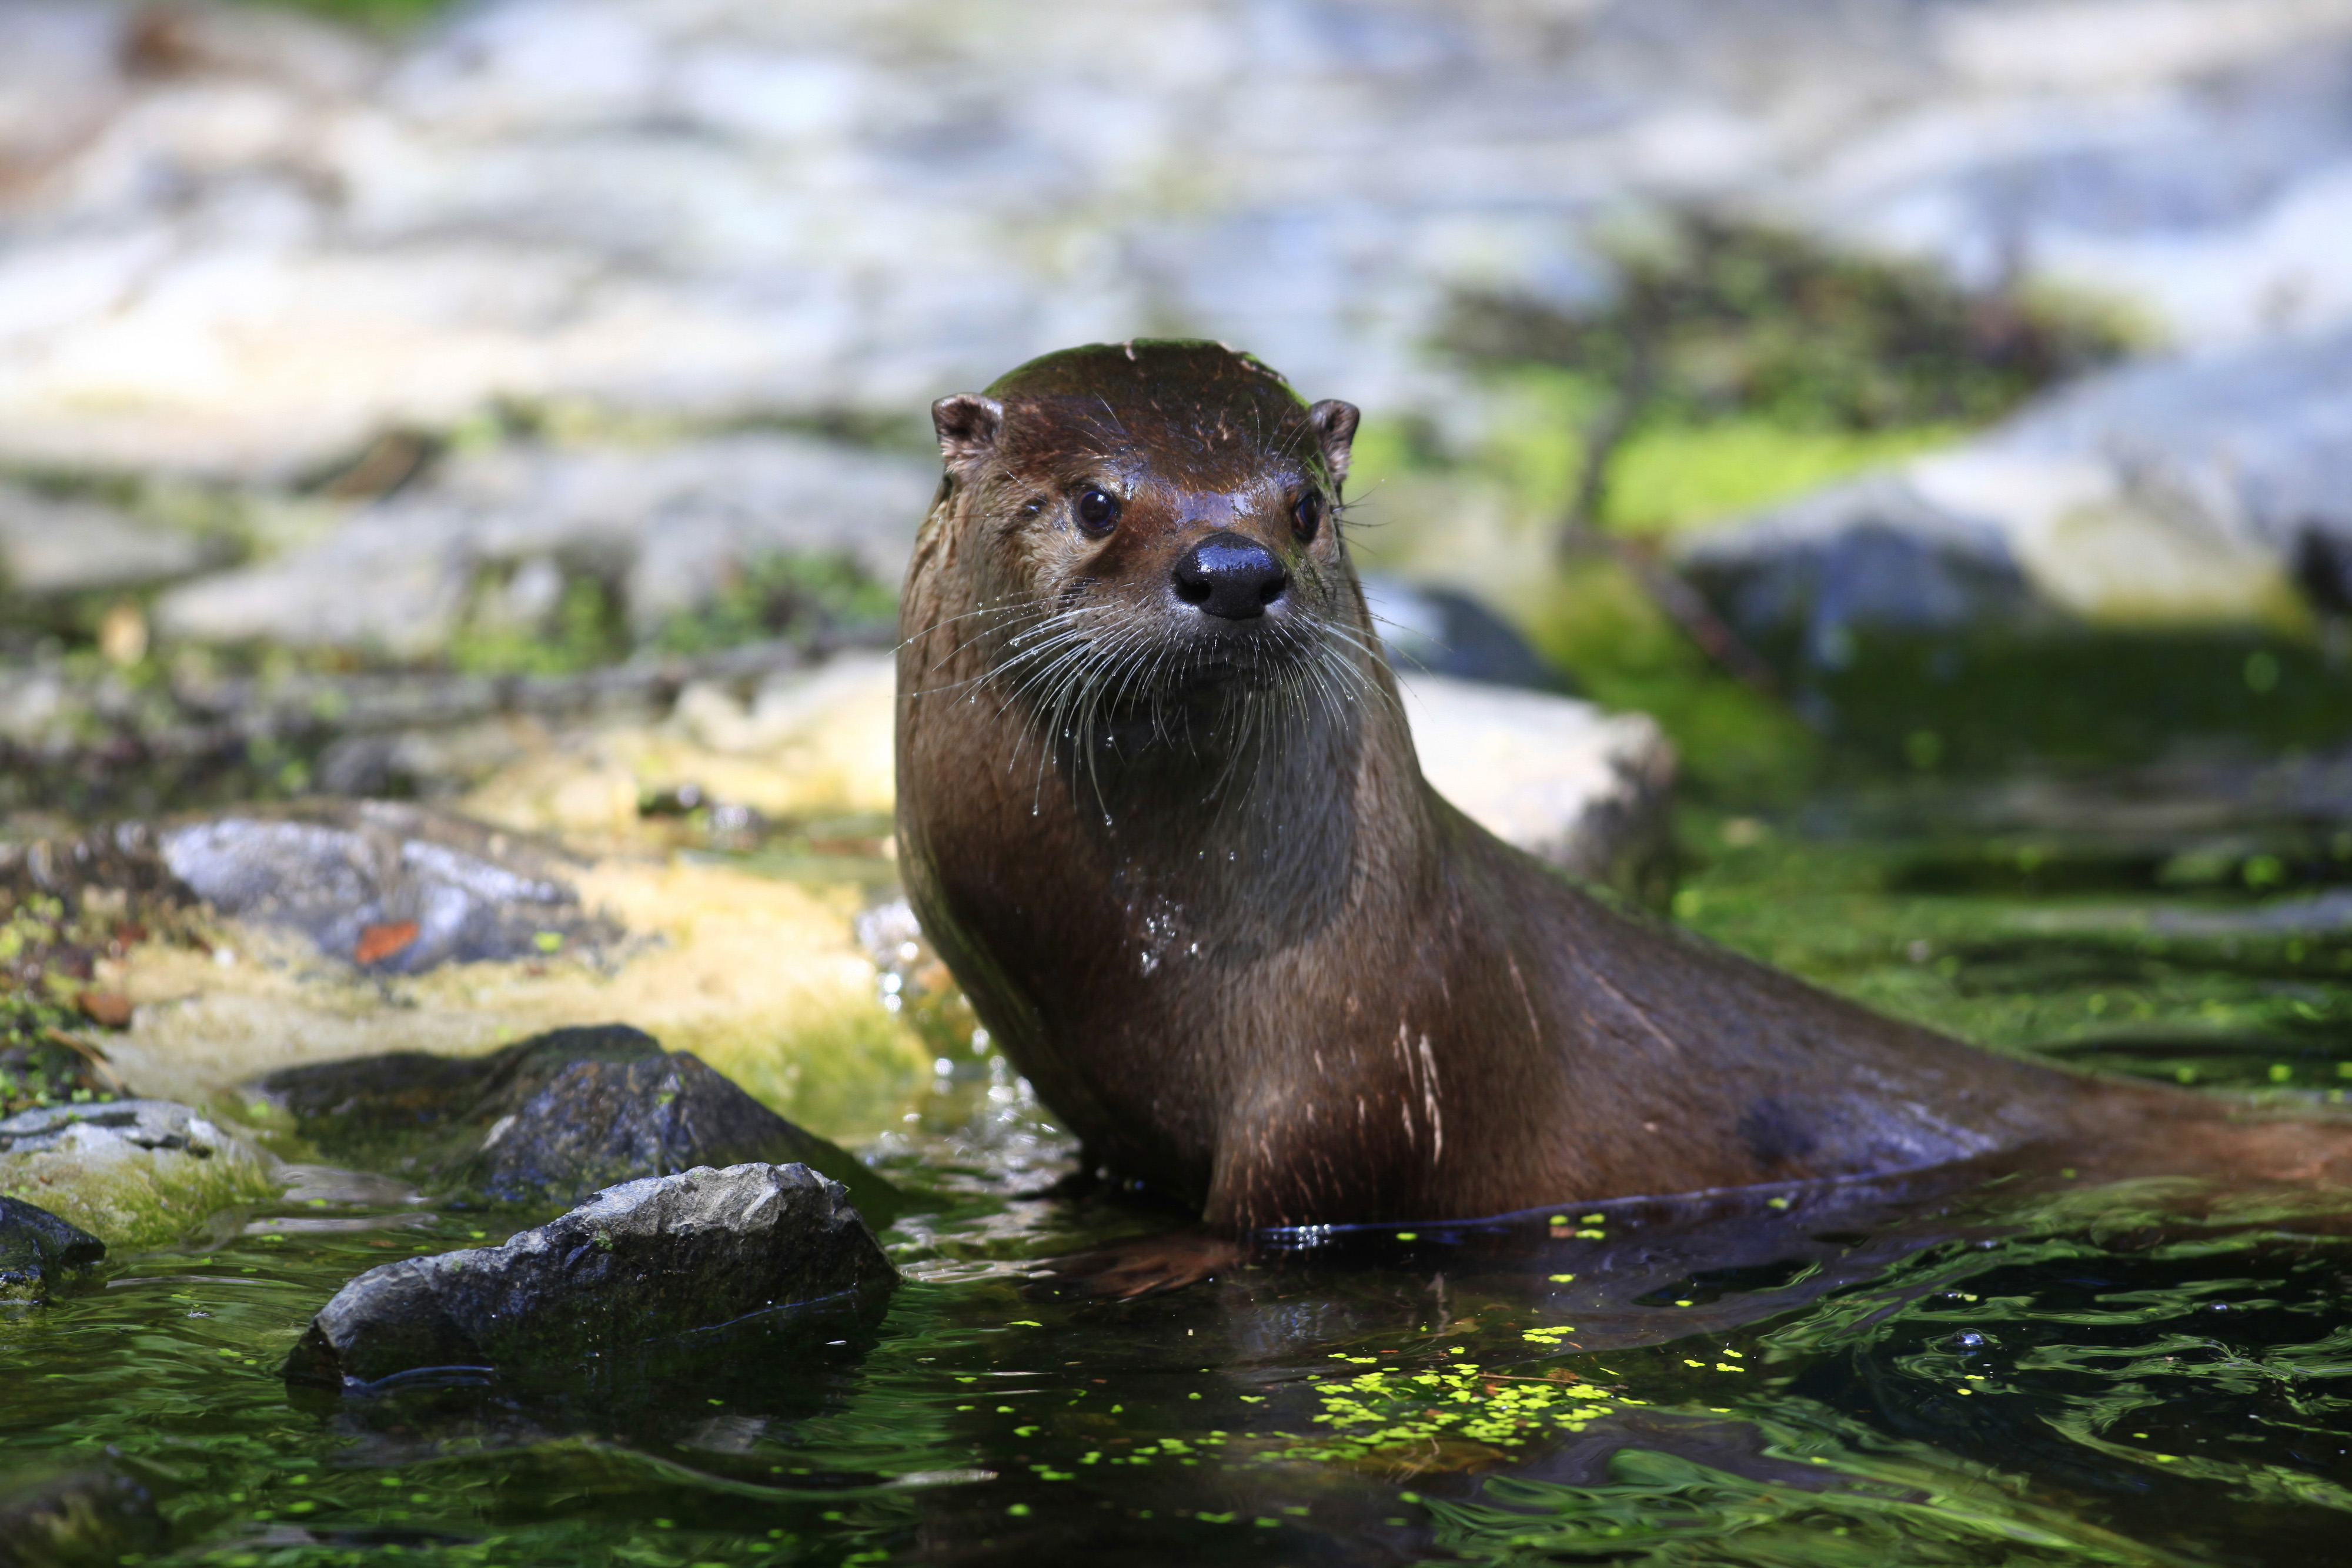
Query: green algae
point(132, 1198)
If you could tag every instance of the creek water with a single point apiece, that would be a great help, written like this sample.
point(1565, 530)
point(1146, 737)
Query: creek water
point(1954, 1375)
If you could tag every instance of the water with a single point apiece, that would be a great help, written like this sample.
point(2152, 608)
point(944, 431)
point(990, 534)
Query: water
point(1884, 1374)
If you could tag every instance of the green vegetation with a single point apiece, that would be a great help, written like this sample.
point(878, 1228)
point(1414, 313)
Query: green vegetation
point(781, 594)
point(379, 16)
point(584, 631)
point(1719, 336)
point(2180, 957)
point(784, 593)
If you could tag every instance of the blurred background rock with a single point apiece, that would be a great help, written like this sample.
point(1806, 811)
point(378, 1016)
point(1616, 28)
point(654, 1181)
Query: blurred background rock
point(515, 400)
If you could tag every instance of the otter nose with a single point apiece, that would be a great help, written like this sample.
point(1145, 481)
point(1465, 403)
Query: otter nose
point(1230, 576)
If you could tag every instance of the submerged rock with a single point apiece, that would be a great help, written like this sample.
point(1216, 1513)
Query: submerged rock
point(551, 1119)
point(642, 1261)
point(387, 885)
point(39, 1250)
point(62, 1519)
point(135, 1173)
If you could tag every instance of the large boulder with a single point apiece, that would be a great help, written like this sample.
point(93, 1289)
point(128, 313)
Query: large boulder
point(1432, 630)
point(2200, 489)
point(38, 1251)
point(135, 1173)
point(645, 1261)
point(550, 1120)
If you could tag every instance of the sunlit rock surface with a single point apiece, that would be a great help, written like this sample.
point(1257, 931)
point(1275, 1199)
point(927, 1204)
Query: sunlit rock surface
point(644, 1261)
point(2202, 488)
point(548, 1119)
point(134, 1172)
point(760, 977)
point(50, 546)
point(240, 242)
point(800, 743)
point(1588, 790)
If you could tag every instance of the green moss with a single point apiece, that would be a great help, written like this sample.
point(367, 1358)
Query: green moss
point(380, 15)
point(1673, 475)
point(1735, 744)
point(1712, 317)
point(781, 593)
point(132, 1197)
point(851, 1072)
point(585, 630)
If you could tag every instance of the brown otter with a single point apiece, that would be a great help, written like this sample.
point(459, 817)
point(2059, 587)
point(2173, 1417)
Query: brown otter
point(1161, 812)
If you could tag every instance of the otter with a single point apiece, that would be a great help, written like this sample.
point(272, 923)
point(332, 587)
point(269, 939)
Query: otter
point(1161, 812)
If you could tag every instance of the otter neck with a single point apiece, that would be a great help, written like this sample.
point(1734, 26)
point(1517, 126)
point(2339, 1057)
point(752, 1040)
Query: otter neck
point(1240, 800)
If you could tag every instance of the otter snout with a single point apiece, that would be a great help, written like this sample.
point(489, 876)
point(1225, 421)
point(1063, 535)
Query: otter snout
point(1230, 576)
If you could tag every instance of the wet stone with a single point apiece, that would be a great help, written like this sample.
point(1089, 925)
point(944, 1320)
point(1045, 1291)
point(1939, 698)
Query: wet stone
point(38, 1251)
point(551, 1119)
point(644, 1262)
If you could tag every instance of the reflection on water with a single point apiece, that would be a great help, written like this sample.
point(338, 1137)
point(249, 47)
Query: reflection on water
point(1940, 1370)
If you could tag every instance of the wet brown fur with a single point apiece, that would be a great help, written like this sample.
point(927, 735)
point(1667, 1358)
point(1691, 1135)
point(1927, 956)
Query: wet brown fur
point(1201, 895)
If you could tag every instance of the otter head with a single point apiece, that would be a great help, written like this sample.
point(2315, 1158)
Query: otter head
point(1154, 530)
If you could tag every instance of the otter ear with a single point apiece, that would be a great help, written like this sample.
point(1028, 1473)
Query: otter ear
point(967, 423)
point(1335, 427)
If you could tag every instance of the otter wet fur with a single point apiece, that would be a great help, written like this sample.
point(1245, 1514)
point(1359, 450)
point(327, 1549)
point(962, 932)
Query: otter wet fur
point(1160, 811)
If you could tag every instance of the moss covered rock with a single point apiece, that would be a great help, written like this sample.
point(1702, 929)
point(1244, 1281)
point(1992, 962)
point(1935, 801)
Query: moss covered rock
point(134, 1173)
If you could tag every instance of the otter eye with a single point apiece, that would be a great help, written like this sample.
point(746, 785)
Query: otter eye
point(1307, 517)
point(1097, 511)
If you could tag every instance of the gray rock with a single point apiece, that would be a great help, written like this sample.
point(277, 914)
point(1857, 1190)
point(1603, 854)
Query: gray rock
point(50, 547)
point(2190, 489)
point(642, 1261)
point(1429, 630)
point(131, 1172)
point(38, 1251)
point(1871, 553)
point(667, 527)
point(551, 1119)
point(1590, 792)
point(403, 887)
